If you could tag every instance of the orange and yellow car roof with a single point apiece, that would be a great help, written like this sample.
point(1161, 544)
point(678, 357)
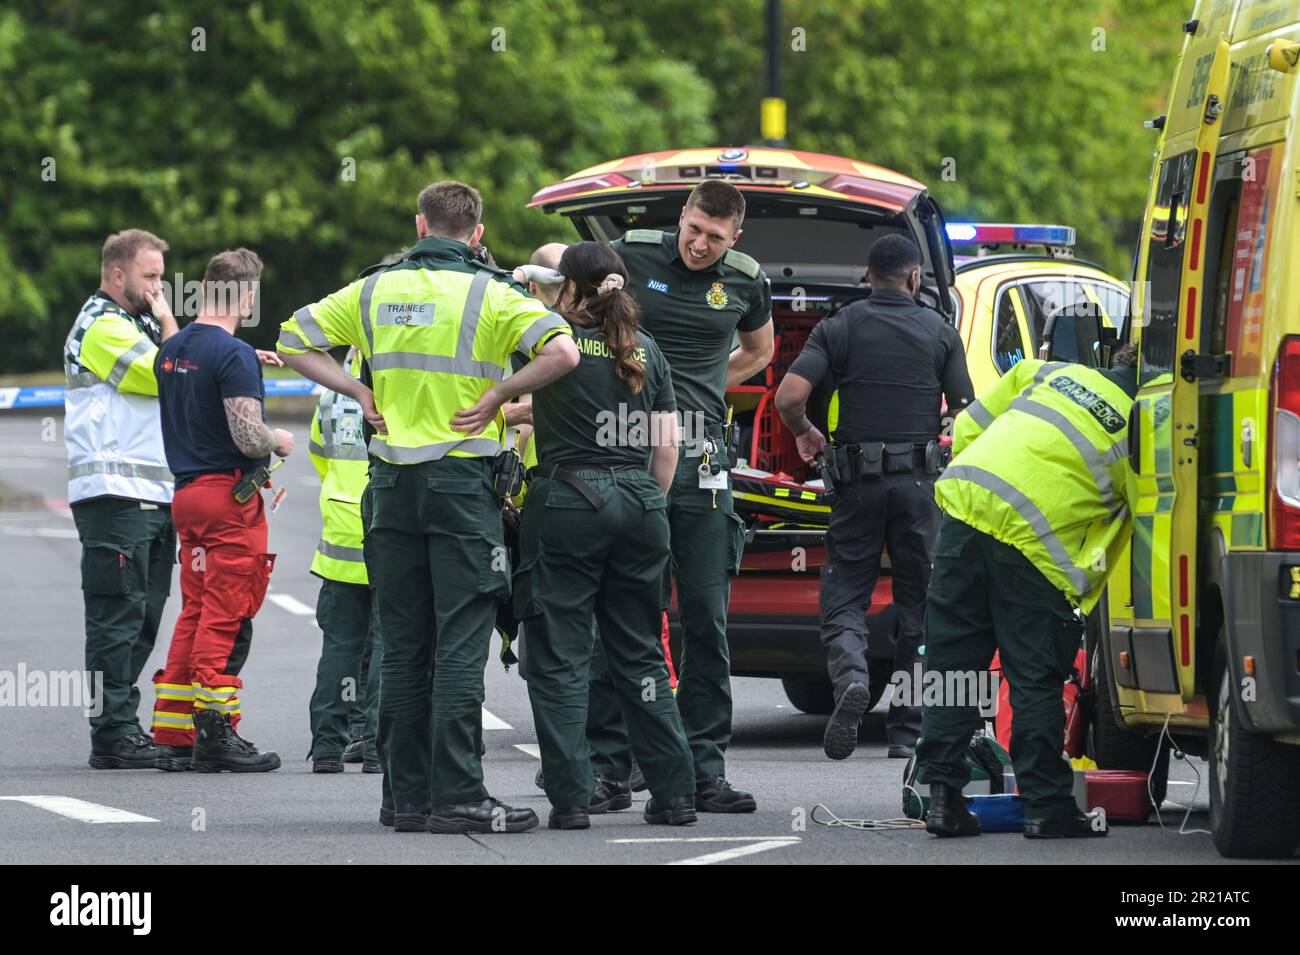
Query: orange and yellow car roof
point(757, 168)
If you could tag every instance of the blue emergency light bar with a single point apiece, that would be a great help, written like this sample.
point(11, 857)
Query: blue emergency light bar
point(984, 233)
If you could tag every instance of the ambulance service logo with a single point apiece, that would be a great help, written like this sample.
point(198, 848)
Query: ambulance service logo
point(717, 296)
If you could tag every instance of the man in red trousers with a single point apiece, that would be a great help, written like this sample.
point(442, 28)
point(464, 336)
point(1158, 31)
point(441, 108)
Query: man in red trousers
point(211, 393)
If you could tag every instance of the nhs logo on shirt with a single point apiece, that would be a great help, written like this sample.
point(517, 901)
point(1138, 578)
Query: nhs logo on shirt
point(656, 286)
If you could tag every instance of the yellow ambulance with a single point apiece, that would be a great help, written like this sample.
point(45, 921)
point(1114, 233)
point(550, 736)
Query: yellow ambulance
point(1200, 632)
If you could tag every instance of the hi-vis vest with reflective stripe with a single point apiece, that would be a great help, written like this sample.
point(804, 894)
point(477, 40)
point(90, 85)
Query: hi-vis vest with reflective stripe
point(338, 452)
point(437, 331)
point(1041, 464)
point(112, 426)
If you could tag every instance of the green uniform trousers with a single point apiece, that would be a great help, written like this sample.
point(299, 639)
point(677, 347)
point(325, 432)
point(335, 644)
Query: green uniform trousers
point(128, 551)
point(348, 619)
point(707, 540)
point(436, 559)
point(577, 561)
point(986, 596)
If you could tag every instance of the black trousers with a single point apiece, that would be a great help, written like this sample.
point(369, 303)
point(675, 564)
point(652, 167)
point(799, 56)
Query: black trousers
point(898, 512)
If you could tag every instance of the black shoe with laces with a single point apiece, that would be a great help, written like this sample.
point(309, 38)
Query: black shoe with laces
point(609, 795)
point(218, 747)
point(715, 794)
point(136, 751)
point(568, 819)
point(490, 815)
point(678, 811)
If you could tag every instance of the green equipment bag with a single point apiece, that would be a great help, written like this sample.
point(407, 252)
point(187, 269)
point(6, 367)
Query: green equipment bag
point(986, 759)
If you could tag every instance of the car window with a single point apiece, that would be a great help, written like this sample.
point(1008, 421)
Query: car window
point(1008, 340)
point(1038, 298)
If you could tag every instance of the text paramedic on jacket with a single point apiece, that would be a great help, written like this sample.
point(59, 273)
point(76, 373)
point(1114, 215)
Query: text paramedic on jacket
point(1037, 505)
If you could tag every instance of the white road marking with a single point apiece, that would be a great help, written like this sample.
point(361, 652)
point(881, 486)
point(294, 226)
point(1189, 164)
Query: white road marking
point(291, 604)
point(66, 533)
point(1179, 782)
point(79, 809)
point(491, 722)
point(737, 852)
point(648, 839)
point(532, 749)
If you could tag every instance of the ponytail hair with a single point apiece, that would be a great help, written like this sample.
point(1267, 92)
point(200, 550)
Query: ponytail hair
point(595, 296)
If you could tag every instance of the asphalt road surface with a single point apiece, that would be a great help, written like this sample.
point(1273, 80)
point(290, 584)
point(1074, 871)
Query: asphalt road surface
point(55, 809)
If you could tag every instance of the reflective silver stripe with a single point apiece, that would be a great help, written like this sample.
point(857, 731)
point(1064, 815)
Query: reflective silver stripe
point(84, 379)
point(548, 322)
point(126, 359)
point(367, 292)
point(338, 552)
point(979, 414)
point(470, 316)
point(290, 340)
point(481, 447)
point(150, 472)
point(311, 328)
point(1026, 508)
point(337, 452)
point(1094, 459)
point(418, 361)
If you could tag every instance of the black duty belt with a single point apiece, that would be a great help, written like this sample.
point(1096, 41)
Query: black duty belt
point(850, 464)
point(569, 475)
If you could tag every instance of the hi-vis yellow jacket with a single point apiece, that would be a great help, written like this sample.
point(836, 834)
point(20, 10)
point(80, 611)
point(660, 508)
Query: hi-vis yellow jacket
point(112, 425)
point(338, 452)
point(437, 330)
point(1041, 464)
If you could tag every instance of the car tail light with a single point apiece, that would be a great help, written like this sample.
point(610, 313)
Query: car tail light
point(1284, 402)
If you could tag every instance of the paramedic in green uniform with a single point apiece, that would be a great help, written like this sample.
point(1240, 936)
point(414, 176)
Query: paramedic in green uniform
point(594, 540)
point(695, 294)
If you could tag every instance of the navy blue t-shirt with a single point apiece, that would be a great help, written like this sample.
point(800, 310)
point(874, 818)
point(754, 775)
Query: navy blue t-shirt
point(197, 368)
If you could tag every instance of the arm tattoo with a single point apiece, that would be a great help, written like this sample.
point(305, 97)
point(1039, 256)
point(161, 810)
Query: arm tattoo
point(247, 430)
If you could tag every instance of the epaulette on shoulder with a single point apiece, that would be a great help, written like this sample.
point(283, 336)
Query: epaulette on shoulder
point(643, 235)
point(741, 263)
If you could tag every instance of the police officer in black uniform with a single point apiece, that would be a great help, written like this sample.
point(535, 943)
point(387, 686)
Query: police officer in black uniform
point(890, 360)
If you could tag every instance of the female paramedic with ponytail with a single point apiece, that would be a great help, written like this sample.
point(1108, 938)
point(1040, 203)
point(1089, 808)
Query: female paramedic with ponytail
point(594, 539)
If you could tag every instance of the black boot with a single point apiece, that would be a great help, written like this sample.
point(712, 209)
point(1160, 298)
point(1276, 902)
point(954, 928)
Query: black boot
point(948, 815)
point(715, 794)
point(841, 736)
point(327, 764)
point(174, 759)
point(372, 767)
point(1078, 826)
point(218, 747)
point(678, 811)
point(568, 819)
point(136, 751)
point(490, 815)
point(355, 751)
point(610, 795)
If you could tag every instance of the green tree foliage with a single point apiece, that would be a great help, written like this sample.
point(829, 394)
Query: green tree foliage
point(305, 129)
